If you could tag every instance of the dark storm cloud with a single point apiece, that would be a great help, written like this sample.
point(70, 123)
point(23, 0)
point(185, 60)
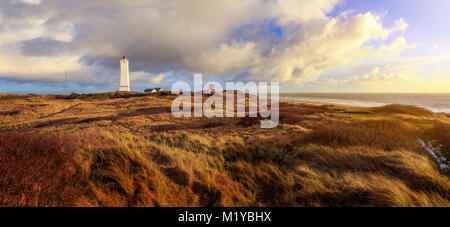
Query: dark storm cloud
point(43, 47)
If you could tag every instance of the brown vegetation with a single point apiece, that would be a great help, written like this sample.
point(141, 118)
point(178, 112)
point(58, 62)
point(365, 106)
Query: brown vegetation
point(403, 109)
point(37, 170)
point(130, 151)
point(382, 134)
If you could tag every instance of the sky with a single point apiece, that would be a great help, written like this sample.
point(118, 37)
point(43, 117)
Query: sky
point(307, 46)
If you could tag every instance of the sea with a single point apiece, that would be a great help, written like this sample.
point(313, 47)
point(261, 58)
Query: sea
point(439, 103)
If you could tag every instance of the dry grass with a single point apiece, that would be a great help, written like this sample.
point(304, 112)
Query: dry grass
point(403, 109)
point(130, 151)
point(382, 134)
point(37, 170)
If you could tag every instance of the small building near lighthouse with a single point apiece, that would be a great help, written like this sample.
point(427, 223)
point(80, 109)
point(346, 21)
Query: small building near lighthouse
point(124, 75)
point(211, 90)
point(153, 90)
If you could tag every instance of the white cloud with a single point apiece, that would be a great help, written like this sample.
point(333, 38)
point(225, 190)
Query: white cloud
point(336, 42)
point(394, 49)
point(157, 79)
point(216, 37)
point(400, 25)
point(383, 73)
point(375, 71)
point(29, 1)
point(144, 78)
point(46, 68)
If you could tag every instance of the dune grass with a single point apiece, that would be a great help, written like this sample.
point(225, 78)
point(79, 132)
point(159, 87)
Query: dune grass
point(129, 151)
point(382, 134)
point(38, 170)
point(403, 109)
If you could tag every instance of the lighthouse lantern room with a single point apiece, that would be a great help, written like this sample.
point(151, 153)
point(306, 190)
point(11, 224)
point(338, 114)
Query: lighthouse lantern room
point(124, 75)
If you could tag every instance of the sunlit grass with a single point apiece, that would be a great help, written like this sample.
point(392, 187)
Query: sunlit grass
point(130, 151)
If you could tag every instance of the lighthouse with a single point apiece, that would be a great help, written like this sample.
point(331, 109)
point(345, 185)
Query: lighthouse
point(124, 75)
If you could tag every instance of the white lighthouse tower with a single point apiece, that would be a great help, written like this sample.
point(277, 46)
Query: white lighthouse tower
point(124, 75)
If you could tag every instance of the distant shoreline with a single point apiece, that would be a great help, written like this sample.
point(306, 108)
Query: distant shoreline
point(438, 103)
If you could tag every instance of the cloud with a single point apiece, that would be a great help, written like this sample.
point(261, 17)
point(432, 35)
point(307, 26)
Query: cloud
point(299, 11)
point(157, 79)
point(145, 78)
point(226, 58)
point(381, 74)
point(400, 25)
point(42, 47)
point(35, 68)
point(332, 43)
point(227, 38)
point(393, 49)
point(30, 1)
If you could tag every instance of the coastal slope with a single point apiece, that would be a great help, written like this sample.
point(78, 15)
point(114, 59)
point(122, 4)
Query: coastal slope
point(126, 149)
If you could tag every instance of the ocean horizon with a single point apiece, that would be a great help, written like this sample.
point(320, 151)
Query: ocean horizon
point(436, 102)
